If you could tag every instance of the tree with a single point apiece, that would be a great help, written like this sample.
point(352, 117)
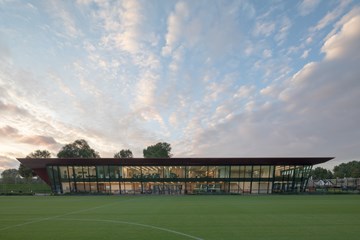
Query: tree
point(350, 169)
point(27, 172)
point(124, 153)
point(159, 150)
point(10, 175)
point(321, 173)
point(78, 149)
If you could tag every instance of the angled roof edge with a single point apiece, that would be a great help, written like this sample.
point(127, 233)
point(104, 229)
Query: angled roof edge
point(43, 162)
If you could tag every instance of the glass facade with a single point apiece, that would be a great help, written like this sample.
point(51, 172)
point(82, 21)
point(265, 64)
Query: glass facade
point(206, 179)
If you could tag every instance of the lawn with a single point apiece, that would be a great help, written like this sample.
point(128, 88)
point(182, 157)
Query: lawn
point(180, 217)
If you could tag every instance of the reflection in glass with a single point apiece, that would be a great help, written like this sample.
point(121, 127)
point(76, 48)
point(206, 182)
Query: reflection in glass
point(133, 172)
point(92, 173)
point(256, 172)
point(235, 172)
point(197, 171)
point(112, 179)
point(248, 171)
point(63, 173)
point(218, 171)
point(234, 187)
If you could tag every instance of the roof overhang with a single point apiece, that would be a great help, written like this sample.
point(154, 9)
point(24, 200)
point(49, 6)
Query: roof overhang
point(36, 163)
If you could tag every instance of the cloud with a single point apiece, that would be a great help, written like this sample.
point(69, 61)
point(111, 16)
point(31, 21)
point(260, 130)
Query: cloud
point(145, 90)
point(336, 73)
point(269, 90)
point(216, 90)
point(13, 134)
point(84, 2)
point(66, 89)
point(245, 91)
point(264, 28)
point(284, 28)
point(13, 109)
point(178, 73)
point(190, 26)
point(57, 96)
point(38, 140)
point(123, 23)
point(131, 18)
point(267, 53)
point(7, 163)
point(4, 51)
point(309, 40)
point(305, 54)
point(59, 11)
point(338, 25)
point(8, 131)
point(31, 6)
point(316, 113)
point(176, 27)
point(336, 46)
point(330, 16)
point(177, 60)
point(267, 25)
point(308, 6)
point(27, 118)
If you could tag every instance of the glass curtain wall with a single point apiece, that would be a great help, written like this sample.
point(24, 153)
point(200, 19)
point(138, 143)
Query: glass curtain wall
point(251, 179)
point(290, 178)
point(113, 179)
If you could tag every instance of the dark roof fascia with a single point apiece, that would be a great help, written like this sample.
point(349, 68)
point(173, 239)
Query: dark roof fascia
point(43, 162)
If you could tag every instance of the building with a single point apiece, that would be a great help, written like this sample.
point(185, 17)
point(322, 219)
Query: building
point(175, 175)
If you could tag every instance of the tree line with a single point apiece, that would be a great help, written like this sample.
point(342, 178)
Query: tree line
point(343, 170)
point(81, 149)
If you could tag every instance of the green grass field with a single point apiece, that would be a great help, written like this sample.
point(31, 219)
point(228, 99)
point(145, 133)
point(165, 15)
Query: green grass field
point(180, 217)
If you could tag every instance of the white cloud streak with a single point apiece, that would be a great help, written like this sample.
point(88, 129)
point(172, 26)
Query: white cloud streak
point(58, 10)
point(330, 16)
point(308, 6)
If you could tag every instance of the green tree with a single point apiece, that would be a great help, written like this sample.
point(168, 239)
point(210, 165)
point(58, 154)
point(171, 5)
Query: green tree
point(350, 169)
point(321, 173)
point(124, 153)
point(10, 175)
point(78, 149)
point(159, 150)
point(27, 172)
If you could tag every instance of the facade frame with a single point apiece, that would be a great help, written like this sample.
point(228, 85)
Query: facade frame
point(264, 175)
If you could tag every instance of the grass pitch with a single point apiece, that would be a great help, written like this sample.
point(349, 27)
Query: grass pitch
point(180, 217)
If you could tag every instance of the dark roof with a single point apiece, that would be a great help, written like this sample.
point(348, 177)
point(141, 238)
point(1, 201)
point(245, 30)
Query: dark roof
point(43, 162)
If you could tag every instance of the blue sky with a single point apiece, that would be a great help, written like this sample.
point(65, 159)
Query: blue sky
point(213, 78)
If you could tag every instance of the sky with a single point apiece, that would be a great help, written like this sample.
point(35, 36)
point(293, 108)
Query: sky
point(212, 78)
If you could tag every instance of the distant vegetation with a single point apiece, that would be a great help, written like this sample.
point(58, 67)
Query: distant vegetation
point(344, 170)
point(78, 149)
point(124, 153)
point(159, 150)
point(81, 149)
point(27, 172)
point(25, 188)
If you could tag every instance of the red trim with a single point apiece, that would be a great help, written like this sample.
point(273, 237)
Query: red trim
point(41, 172)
